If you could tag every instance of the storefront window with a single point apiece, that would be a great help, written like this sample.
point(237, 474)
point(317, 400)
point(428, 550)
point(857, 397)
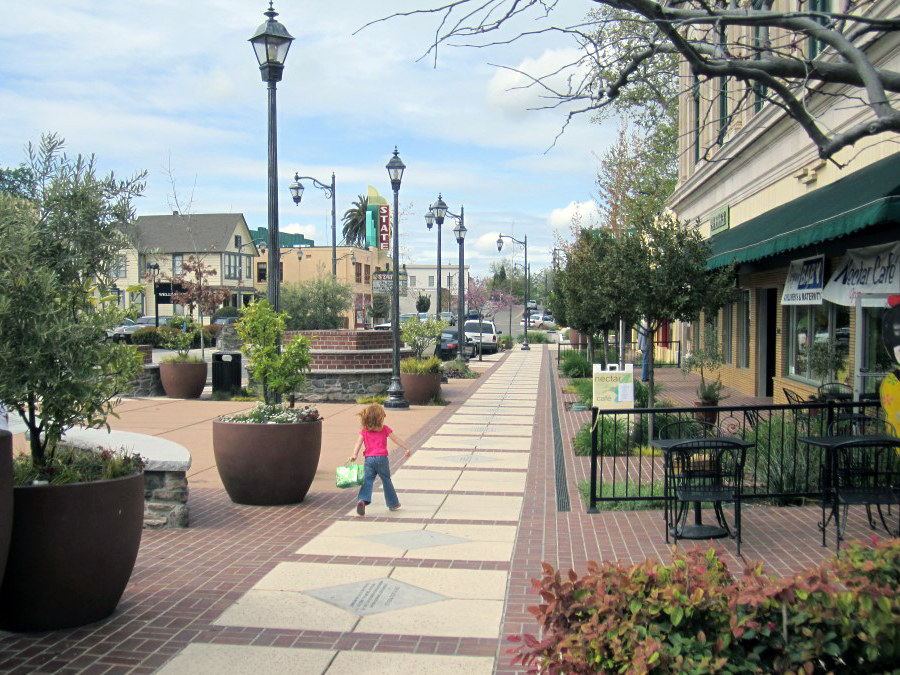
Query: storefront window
point(876, 359)
point(809, 324)
point(726, 332)
point(744, 330)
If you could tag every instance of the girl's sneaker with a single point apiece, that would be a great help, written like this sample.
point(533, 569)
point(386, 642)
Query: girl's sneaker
point(360, 508)
point(395, 508)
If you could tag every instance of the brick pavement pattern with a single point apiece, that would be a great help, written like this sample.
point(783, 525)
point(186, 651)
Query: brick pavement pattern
point(479, 517)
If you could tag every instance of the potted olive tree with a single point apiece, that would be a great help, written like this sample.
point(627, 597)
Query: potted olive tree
point(182, 375)
point(707, 357)
point(421, 377)
point(59, 246)
point(269, 455)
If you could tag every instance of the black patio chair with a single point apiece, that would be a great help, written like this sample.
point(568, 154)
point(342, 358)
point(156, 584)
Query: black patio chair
point(680, 429)
point(866, 472)
point(858, 424)
point(706, 470)
point(835, 391)
point(804, 417)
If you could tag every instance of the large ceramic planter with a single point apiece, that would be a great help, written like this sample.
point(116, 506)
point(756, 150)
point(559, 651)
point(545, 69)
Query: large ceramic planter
point(420, 388)
point(707, 413)
point(267, 464)
point(183, 380)
point(6, 496)
point(72, 552)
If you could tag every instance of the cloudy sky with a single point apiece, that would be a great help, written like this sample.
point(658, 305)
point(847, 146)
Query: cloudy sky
point(173, 87)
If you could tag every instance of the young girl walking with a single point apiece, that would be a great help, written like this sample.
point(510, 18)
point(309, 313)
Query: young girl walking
point(375, 434)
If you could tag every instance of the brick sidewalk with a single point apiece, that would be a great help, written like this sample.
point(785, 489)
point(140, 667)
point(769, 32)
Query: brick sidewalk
point(185, 579)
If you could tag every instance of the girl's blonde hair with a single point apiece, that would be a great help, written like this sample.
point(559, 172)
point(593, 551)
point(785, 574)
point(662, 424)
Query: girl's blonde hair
point(372, 417)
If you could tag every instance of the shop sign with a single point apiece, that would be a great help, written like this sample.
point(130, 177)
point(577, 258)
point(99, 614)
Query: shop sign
point(719, 219)
point(613, 388)
point(874, 269)
point(164, 291)
point(805, 281)
point(383, 282)
point(384, 227)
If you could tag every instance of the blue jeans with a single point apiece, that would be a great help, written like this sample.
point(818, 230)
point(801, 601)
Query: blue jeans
point(378, 466)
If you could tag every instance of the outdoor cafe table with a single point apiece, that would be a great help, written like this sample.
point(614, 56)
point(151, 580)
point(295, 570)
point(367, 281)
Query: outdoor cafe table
point(699, 530)
point(829, 479)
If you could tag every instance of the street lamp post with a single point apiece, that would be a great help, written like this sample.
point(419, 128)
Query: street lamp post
point(395, 398)
point(500, 239)
point(436, 213)
point(153, 269)
point(460, 232)
point(271, 43)
point(297, 194)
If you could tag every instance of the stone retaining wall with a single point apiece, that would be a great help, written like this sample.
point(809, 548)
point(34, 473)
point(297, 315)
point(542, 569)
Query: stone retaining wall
point(147, 383)
point(165, 499)
point(344, 385)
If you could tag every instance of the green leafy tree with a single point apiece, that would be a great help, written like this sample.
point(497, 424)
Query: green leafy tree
point(57, 254)
point(381, 305)
point(422, 335)
point(423, 302)
point(355, 223)
point(18, 182)
point(278, 372)
point(317, 304)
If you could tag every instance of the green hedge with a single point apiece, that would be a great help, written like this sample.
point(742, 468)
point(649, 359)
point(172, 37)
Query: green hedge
point(693, 617)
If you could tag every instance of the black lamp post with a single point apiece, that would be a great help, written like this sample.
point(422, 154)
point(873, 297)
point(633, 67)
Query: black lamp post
point(460, 233)
point(395, 398)
point(436, 213)
point(297, 194)
point(500, 239)
point(271, 43)
point(153, 269)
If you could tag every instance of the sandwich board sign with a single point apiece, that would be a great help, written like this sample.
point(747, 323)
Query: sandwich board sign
point(613, 388)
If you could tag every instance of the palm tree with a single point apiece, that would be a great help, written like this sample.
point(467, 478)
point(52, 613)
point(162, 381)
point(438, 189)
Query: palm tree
point(355, 223)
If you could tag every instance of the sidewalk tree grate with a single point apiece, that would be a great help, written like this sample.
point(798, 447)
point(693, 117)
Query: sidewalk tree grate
point(559, 460)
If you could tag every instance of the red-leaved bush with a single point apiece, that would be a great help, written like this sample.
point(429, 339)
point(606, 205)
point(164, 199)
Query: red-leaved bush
point(693, 617)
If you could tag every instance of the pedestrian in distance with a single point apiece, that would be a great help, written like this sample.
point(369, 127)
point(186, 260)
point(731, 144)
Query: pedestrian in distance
point(646, 347)
point(374, 435)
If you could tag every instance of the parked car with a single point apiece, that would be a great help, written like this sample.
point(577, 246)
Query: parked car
point(110, 331)
point(449, 346)
point(449, 317)
point(543, 320)
point(123, 333)
point(484, 334)
point(403, 318)
point(532, 304)
point(226, 320)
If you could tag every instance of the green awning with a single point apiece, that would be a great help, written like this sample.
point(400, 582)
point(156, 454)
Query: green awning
point(864, 198)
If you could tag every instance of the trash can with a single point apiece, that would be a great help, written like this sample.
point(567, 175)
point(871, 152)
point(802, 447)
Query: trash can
point(226, 371)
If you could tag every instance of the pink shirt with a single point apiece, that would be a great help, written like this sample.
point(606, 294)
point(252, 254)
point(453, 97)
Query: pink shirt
point(376, 441)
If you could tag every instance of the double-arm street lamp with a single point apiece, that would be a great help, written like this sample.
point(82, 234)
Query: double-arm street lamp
point(439, 210)
point(436, 214)
point(500, 239)
point(297, 194)
point(395, 398)
point(271, 43)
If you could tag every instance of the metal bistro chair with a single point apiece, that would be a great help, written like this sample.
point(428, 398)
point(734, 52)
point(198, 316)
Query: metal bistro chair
point(802, 418)
point(836, 391)
point(867, 472)
point(707, 470)
point(682, 429)
point(858, 424)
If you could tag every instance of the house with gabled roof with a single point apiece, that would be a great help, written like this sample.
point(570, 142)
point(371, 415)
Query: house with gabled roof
point(161, 243)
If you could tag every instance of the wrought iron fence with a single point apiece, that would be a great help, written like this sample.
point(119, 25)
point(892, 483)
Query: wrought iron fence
point(625, 467)
point(665, 353)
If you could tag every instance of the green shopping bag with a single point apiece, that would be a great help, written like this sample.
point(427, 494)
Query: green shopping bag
point(349, 475)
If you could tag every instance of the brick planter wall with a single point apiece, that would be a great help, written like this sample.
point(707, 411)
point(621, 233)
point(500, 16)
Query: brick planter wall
point(347, 364)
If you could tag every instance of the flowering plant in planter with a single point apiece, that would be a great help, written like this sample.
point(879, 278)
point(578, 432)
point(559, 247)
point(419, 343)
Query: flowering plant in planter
point(275, 414)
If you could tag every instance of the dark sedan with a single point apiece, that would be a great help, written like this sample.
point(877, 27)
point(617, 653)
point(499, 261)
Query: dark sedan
point(449, 346)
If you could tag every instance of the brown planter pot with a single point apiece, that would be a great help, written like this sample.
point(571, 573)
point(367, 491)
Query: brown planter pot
point(710, 415)
point(6, 496)
point(267, 464)
point(183, 380)
point(72, 552)
point(420, 388)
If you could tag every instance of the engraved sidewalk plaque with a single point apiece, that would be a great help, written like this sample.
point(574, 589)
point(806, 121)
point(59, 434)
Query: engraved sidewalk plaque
point(414, 539)
point(375, 596)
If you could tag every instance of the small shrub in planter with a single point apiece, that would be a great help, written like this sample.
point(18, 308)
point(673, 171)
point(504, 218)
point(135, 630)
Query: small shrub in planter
point(145, 336)
point(575, 364)
point(693, 616)
point(535, 337)
point(505, 342)
point(420, 366)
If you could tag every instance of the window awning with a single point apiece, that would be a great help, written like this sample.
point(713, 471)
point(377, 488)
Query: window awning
point(864, 198)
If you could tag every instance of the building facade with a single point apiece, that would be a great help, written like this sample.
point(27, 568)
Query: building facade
point(422, 279)
point(815, 243)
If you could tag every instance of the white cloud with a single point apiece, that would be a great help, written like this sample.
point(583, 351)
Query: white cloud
point(585, 212)
point(308, 231)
